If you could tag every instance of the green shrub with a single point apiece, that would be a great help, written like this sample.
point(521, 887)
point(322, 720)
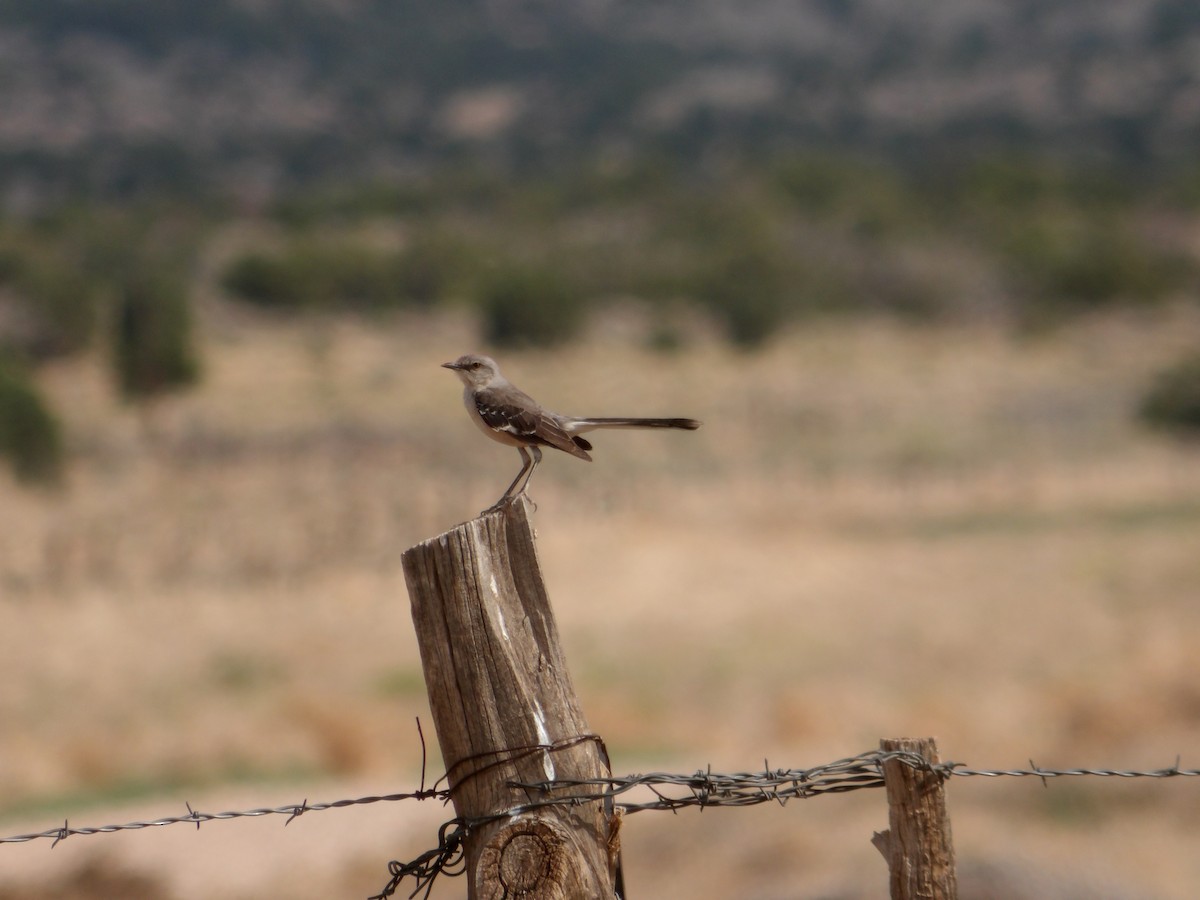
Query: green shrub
point(67, 301)
point(343, 275)
point(871, 199)
point(264, 280)
point(528, 306)
point(30, 436)
point(1098, 264)
point(1070, 264)
point(61, 300)
point(152, 347)
point(11, 264)
point(743, 283)
point(428, 268)
point(1173, 400)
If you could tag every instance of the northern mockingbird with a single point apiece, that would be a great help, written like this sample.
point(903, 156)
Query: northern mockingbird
point(507, 414)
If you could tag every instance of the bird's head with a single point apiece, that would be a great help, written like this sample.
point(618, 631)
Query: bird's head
point(475, 370)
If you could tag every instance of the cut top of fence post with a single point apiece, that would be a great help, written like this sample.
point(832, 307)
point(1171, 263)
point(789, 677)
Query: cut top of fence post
point(502, 699)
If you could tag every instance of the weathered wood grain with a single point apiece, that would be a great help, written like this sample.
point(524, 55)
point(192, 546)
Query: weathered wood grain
point(501, 694)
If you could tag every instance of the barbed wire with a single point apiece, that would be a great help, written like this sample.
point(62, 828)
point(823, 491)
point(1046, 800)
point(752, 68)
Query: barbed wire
point(668, 792)
point(196, 817)
point(704, 788)
point(782, 785)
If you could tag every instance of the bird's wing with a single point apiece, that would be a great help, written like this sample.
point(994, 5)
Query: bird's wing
point(517, 414)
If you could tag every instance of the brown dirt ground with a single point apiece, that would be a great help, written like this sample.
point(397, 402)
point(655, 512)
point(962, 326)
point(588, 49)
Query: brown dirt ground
point(880, 531)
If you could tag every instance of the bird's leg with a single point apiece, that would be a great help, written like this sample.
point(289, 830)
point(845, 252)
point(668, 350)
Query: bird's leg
point(536, 453)
point(527, 465)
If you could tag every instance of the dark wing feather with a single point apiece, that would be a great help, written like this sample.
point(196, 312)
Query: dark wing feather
point(513, 411)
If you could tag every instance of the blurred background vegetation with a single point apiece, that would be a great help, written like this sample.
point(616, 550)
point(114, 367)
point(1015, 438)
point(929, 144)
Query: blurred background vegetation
point(533, 165)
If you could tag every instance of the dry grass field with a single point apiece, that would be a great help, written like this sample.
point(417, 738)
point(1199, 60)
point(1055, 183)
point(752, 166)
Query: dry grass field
point(881, 531)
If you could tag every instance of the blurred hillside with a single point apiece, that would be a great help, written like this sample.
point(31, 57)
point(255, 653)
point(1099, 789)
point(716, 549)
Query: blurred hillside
point(115, 97)
point(751, 164)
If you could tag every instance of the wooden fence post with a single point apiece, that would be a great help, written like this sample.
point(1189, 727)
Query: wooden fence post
point(917, 845)
point(501, 695)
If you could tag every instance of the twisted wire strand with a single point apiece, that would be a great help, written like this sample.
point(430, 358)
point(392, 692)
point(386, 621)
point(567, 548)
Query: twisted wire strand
point(196, 817)
point(701, 788)
point(668, 792)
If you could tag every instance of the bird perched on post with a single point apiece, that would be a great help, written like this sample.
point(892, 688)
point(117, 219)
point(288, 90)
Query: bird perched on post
point(507, 414)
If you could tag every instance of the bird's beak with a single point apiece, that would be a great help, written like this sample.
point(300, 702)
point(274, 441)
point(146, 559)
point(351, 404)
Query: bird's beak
point(451, 366)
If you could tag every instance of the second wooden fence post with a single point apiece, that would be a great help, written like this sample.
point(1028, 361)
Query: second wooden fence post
point(917, 845)
point(506, 712)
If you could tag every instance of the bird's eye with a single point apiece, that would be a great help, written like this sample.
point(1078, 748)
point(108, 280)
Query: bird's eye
point(474, 365)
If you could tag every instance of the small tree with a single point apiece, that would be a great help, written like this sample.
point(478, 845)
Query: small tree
point(744, 284)
point(30, 436)
point(152, 344)
point(1173, 400)
point(531, 306)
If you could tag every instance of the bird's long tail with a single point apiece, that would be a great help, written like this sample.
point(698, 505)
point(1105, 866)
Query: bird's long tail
point(580, 425)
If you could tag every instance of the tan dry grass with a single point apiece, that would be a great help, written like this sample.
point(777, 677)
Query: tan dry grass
point(880, 531)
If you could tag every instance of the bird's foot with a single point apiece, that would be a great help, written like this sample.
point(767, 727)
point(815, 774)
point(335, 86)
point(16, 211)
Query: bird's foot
point(500, 504)
point(524, 496)
point(508, 500)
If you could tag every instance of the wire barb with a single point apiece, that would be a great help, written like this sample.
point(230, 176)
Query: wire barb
point(299, 811)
